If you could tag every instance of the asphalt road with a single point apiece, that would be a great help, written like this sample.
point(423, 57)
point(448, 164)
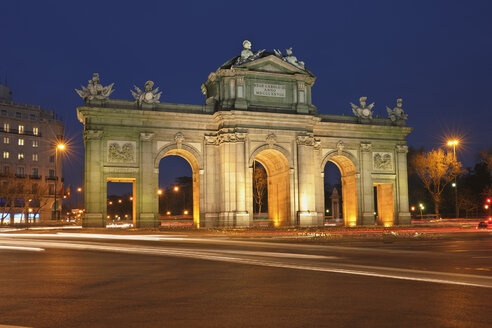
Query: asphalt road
point(73, 280)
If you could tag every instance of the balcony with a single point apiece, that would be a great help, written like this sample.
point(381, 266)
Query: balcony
point(51, 178)
point(35, 176)
point(20, 175)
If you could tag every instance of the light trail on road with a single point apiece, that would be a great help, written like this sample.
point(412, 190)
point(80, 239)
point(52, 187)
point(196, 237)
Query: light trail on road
point(286, 260)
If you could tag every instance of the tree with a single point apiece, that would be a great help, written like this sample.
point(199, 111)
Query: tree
point(259, 185)
point(436, 169)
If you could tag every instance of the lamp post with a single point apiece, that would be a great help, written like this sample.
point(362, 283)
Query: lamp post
point(59, 146)
point(421, 206)
point(79, 190)
point(454, 143)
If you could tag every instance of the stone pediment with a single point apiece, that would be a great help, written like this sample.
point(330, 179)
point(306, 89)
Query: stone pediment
point(273, 64)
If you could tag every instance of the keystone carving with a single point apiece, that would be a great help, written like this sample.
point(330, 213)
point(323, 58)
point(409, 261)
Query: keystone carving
point(179, 138)
point(340, 147)
point(271, 139)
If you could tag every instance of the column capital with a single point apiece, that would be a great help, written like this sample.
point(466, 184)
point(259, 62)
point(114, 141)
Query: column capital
point(402, 149)
point(93, 134)
point(365, 146)
point(146, 136)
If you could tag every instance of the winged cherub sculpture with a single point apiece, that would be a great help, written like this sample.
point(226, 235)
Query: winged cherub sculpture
point(95, 90)
point(147, 96)
point(362, 111)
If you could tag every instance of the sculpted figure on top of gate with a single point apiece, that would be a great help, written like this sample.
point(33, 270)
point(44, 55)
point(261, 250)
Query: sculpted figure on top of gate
point(290, 58)
point(247, 55)
point(147, 96)
point(95, 90)
point(397, 115)
point(363, 111)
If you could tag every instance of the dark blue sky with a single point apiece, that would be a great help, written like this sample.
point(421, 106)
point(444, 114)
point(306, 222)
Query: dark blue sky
point(436, 55)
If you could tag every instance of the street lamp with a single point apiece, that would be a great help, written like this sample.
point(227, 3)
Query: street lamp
point(60, 146)
point(421, 206)
point(454, 143)
point(79, 190)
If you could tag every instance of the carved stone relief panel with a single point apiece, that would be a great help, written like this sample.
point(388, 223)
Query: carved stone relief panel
point(121, 151)
point(382, 161)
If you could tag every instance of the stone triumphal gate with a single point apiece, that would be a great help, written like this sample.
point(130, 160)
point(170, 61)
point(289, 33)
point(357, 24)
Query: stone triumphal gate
point(258, 108)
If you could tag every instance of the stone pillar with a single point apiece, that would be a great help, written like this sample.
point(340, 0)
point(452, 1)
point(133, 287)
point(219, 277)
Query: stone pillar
point(242, 216)
point(240, 102)
point(302, 106)
point(211, 182)
point(307, 215)
point(94, 198)
point(147, 186)
point(402, 185)
point(367, 187)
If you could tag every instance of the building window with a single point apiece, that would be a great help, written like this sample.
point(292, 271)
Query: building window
point(51, 189)
point(20, 170)
point(6, 140)
point(51, 173)
point(20, 156)
point(6, 127)
point(35, 144)
point(35, 157)
point(6, 169)
point(4, 112)
point(6, 154)
point(18, 115)
point(21, 142)
point(52, 158)
point(32, 117)
point(35, 171)
point(35, 131)
point(21, 129)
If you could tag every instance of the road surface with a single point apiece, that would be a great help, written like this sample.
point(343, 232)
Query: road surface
point(97, 280)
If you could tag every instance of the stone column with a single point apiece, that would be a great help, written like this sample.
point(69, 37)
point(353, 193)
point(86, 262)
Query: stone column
point(147, 186)
point(94, 198)
point(211, 185)
point(402, 188)
point(307, 215)
point(242, 216)
point(367, 187)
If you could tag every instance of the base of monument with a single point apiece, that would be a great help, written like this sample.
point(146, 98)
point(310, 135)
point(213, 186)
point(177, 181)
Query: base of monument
point(404, 219)
point(210, 220)
point(242, 220)
point(367, 219)
point(146, 221)
point(93, 220)
point(308, 219)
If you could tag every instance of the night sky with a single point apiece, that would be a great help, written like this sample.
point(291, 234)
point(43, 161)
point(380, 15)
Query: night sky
point(436, 55)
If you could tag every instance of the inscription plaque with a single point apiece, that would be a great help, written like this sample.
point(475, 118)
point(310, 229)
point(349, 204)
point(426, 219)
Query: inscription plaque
point(269, 90)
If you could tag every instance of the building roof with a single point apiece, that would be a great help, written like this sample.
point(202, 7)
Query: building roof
point(5, 93)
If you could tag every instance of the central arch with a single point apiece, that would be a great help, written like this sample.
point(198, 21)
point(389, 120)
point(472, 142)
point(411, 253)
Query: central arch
point(192, 157)
point(346, 163)
point(278, 185)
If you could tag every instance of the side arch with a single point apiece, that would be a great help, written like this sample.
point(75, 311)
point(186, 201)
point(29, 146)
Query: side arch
point(340, 159)
point(278, 148)
point(349, 167)
point(182, 150)
point(193, 157)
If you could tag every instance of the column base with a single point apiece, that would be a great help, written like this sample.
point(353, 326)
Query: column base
point(404, 218)
point(210, 220)
point(146, 221)
point(308, 219)
point(367, 219)
point(93, 220)
point(242, 220)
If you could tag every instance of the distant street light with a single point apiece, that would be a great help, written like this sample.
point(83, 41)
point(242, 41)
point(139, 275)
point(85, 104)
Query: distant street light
point(176, 188)
point(421, 206)
point(159, 192)
point(454, 143)
point(59, 146)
